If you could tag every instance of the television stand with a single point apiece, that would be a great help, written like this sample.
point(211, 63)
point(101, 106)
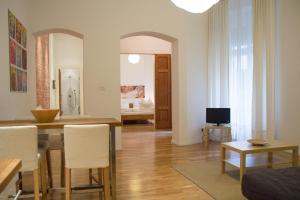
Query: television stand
point(208, 127)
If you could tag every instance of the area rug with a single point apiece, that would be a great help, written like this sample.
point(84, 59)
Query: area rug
point(207, 175)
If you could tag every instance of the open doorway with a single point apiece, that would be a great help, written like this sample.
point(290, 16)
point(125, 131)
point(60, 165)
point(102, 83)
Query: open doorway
point(59, 65)
point(146, 96)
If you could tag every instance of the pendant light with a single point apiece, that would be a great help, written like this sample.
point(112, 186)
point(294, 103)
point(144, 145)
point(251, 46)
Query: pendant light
point(134, 58)
point(195, 6)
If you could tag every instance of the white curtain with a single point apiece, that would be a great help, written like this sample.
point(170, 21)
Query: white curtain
point(263, 105)
point(230, 63)
point(240, 67)
point(218, 72)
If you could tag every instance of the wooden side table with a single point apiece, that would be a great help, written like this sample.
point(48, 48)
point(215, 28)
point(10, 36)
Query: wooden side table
point(227, 128)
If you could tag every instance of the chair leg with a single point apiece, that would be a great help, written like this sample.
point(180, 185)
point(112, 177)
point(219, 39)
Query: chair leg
point(44, 177)
point(106, 184)
point(49, 169)
point(91, 176)
point(36, 184)
point(62, 168)
point(68, 183)
point(20, 186)
point(100, 180)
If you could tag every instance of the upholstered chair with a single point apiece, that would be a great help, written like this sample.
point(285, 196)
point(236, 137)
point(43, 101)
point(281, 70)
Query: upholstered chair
point(87, 147)
point(20, 142)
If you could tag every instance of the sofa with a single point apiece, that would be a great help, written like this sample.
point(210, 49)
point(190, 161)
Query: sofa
point(272, 184)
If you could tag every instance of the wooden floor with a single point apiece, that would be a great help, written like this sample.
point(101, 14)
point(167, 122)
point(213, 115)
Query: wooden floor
point(144, 168)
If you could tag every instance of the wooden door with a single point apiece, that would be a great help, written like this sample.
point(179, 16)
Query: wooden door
point(163, 104)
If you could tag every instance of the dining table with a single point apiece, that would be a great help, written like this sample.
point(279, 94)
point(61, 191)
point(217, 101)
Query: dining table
point(60, 123)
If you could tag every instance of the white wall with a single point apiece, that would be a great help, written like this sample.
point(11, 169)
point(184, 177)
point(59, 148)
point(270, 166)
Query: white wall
point(145, 44)
point(67, 50)
point(16, 105)
point(288, 97)
point(103, 23)
point(141, 73)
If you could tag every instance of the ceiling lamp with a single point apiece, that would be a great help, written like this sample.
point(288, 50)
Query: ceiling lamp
point(195, 6)
point(134, 58)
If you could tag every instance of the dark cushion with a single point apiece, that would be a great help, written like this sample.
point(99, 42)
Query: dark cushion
point(272, 184)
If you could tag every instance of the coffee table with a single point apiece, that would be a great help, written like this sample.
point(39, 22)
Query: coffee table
point(244, 148)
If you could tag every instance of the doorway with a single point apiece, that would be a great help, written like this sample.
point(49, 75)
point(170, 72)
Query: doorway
point(59, 60)
point(150, 75)
point(69, 90)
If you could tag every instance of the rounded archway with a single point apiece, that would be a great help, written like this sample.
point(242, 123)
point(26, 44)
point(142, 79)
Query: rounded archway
point(59, 69)
point(174, 75)
point(152, 34)
point(59, 30)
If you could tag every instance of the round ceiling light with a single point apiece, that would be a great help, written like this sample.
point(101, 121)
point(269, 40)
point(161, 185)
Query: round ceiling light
point(195, 6)
point(134, 58)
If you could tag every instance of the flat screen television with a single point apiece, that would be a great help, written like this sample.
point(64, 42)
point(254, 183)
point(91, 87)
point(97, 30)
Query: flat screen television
point(218, 115)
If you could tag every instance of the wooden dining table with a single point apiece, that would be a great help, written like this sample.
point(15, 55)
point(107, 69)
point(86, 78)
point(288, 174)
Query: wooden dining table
point(60, 123)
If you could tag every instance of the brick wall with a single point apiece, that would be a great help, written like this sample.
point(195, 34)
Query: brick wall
point(42, 71)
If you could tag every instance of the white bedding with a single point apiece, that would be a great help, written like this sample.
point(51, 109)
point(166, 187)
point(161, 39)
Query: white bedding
point(137, 111)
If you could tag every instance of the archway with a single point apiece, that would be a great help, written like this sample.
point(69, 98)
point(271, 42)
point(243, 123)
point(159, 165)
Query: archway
point(59, 67)
point(174, 75)
point(58, 30)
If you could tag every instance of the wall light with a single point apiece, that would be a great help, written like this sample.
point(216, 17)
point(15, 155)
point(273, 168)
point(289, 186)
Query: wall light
point(134, 58)
point(195, 6)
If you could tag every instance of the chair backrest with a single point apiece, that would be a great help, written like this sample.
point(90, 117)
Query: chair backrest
point(86, 146)
point(20, 142)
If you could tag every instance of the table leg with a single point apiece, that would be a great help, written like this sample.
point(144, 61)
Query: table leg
point(43, 173)
point(242, 165)
point(223, 157)
point(270, 159)
point(113, 161)
point(295, 157)
point(206, 137)
point(229, 135)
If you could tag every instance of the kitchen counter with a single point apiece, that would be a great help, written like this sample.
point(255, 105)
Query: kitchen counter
point(8, 170)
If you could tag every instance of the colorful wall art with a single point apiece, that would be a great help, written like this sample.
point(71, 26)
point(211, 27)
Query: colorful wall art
point(17, 54)
point(132, 92)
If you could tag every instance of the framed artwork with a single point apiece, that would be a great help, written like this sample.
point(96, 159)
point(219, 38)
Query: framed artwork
point(12, 25)
point(17, 54)
point(131, 92)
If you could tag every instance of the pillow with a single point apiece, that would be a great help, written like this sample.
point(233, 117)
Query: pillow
point(146, 104)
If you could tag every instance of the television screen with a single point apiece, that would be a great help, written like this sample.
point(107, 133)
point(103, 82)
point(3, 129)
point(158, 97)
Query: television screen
point(218, 115)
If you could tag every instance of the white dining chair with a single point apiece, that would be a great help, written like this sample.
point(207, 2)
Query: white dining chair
point(87, 147)
point(20, 142)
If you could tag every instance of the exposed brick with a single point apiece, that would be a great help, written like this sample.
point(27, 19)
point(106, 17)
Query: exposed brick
point(42, 71)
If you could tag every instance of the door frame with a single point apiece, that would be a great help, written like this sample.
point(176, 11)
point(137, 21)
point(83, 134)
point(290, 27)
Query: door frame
point(154, 79)
point(58, 86)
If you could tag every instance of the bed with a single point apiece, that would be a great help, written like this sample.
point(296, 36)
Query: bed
point(134, 106)
point(130, 114)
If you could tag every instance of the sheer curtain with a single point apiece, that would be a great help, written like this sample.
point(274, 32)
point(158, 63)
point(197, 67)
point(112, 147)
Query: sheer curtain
point(218, 71)
point(230, 63)
point(240, 67)
point(263, 106)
